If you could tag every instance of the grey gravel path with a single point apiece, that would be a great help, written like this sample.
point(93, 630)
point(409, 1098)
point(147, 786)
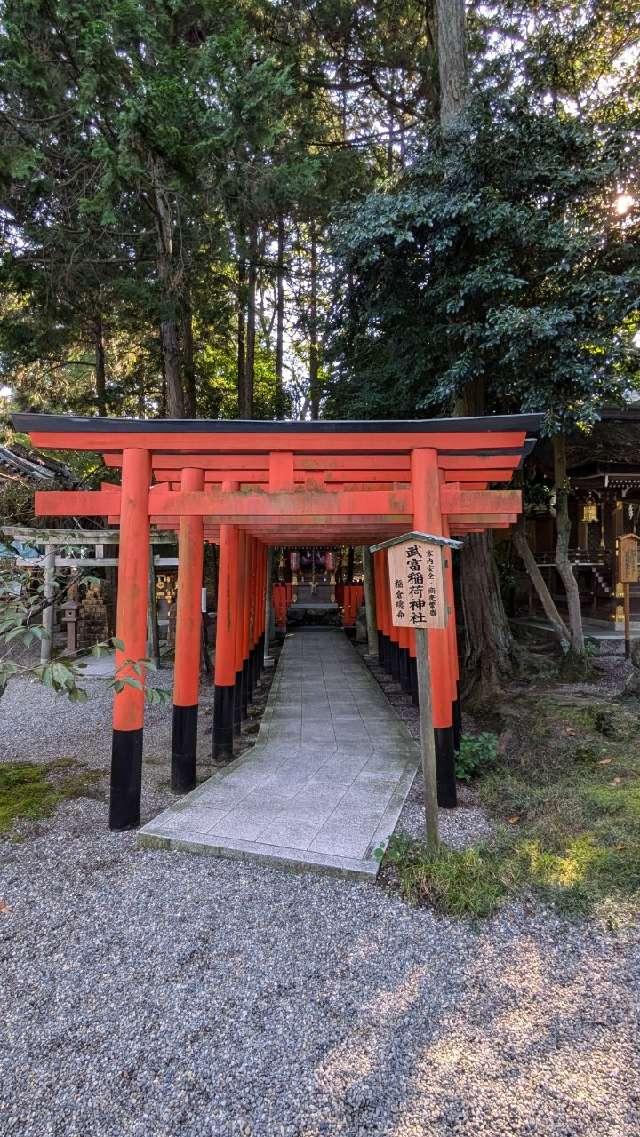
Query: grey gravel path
point(159, 994)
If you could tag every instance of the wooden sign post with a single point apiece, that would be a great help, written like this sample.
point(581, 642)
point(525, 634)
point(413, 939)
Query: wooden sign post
point(628, 565)
point(418, 601)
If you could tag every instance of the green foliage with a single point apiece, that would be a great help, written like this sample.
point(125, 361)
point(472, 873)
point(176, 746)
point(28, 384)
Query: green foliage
point(566, 804)
point(464, 884)
point(140, 146)
point(498, 261)
point(477, 754)
point(149, 152)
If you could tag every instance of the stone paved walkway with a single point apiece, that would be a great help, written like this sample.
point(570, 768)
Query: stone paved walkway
point(326, 780)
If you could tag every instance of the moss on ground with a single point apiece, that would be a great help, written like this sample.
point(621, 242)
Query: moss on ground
point(566, 803)
point(32, 791)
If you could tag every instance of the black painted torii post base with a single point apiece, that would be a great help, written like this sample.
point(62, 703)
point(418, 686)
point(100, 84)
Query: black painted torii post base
point(184, 738)
point(446, 767)
point(126, 779)
point(224, 699)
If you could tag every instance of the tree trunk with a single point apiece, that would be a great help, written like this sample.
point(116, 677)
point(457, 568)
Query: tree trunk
point(141, 392)
point(241, 301)
point(188, 360)
point(170, 282)
point(100, 366)
point(171, 359)
point(487, 637)
point(279, 391)
point(401, 128)
point(563, 534)
point(488, 649)
point(314, 390)
point(523, 549)
point(487, 657)
point(246, 409)
point(344, 91)
point(452, 61)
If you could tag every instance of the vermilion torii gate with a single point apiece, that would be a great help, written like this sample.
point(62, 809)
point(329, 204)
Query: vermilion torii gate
point(247, 485)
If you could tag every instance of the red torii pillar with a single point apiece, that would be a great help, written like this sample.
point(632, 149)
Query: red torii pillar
point(252, 660)
point(227, 621)
point(258, 620)
point(454, 664)
point(383, 584)
point(380, 610)
point(241, 615)
point(186, 675)
point(131, 632)
point(427, 517)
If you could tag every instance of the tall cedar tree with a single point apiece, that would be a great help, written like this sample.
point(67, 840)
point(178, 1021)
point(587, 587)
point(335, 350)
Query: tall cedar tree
point(498, 274)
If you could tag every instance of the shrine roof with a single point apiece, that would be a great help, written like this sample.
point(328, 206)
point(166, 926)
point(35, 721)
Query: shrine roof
point(479, 436)
point(69, 424)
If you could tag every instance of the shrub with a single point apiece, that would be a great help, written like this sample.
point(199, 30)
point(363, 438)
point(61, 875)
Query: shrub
point(478, 752)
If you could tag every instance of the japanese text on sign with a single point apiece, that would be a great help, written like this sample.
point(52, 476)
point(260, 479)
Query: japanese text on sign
point(416, 583)
point(629, 559)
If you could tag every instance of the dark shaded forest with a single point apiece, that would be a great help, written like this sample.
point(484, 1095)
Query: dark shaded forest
point(278, 209)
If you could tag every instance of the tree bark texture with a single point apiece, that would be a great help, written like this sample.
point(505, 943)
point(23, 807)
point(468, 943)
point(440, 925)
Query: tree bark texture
point(100, 365)
point(488, 642)
point(279, 391)
point(241, 303)
point(488, 650)
point(170, 277)
point(563, 534)
point(314, 388)
point(188, 359)
point(452, 60)
point(246, 405)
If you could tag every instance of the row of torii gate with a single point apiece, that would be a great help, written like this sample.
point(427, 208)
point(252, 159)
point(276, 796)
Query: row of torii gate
point(248, 485)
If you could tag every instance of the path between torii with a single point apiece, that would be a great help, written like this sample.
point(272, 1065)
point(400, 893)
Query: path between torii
point(326, 780)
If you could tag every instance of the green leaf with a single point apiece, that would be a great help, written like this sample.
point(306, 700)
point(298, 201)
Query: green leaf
point(78, 695)
point(129, 682)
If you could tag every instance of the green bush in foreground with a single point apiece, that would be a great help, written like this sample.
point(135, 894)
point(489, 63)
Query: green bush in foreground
point(478, 753)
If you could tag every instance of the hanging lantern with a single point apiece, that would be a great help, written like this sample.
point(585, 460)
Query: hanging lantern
point(589, 511)
point(295, 560)
point(328, 561)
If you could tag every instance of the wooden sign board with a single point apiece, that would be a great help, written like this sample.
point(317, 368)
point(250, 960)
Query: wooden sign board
point(416, 583)
point(629, 559)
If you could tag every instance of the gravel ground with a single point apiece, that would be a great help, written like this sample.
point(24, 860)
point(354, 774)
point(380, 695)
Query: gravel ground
point(159, 994)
